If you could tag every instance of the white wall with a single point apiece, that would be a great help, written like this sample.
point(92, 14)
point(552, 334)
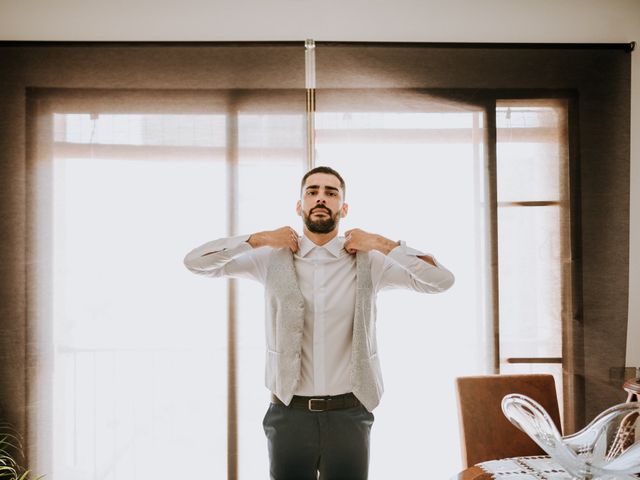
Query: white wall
point(589, 21)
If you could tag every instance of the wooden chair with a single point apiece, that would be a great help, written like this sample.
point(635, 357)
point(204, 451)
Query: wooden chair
point(486, 434)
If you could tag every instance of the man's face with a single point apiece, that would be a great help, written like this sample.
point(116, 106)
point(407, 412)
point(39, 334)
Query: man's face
point(321, 205)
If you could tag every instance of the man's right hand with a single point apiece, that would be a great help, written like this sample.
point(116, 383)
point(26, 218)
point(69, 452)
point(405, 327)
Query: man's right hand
point(285, 237)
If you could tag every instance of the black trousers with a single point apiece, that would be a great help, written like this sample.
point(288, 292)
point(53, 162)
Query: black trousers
point(302, 443)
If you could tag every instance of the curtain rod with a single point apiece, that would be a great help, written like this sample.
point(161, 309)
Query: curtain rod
point(628, 47)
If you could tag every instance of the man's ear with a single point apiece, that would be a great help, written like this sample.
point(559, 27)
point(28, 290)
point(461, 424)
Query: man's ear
point(299, 208)
point(344, 210)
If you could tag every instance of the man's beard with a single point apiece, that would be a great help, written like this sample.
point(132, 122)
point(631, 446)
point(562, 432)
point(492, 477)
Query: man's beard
point(324, 225)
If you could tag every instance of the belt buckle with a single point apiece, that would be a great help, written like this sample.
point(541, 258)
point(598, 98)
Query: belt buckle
point(311, 409)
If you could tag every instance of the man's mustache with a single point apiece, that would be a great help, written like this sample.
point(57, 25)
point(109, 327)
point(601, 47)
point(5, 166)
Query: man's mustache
point(321, 208)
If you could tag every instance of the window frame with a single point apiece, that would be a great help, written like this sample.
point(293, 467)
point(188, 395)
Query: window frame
point(46, 100)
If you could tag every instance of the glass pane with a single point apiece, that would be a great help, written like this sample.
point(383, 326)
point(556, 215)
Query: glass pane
point(275, 131)
point(141, 129)
point(531, 140)
point(530, 280)
point(394, 121)
point(140, 343)
point(409, 178)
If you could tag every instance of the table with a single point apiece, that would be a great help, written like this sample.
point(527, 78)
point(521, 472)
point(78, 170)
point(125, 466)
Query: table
point(517, 468)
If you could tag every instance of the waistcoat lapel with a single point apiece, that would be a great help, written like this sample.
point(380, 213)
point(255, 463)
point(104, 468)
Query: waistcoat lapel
point(365, 379)
point(285, 322)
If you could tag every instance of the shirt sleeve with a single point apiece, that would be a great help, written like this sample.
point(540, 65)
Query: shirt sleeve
point(402, 268)
point(229, 257)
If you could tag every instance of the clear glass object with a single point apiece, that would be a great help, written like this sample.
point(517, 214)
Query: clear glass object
point(606, 449)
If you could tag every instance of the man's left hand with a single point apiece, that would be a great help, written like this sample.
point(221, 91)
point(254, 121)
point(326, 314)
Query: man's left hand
point(359, 240)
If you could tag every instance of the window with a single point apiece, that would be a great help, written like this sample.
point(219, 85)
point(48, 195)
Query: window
point(153, 362)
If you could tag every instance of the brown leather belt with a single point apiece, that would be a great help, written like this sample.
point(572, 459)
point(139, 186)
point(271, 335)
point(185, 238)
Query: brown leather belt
point(320, 404)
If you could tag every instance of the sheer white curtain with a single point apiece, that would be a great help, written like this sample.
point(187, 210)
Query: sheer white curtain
point(139, 379)
point(415, 170)
point(138, 372)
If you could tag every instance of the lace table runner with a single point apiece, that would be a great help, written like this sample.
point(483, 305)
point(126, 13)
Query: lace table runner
point(525, 468)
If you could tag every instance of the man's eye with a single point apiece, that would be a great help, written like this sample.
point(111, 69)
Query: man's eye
point(311, 192)
point(331, 194)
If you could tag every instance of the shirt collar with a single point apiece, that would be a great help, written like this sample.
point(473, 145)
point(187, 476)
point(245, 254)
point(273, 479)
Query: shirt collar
point(334, 246)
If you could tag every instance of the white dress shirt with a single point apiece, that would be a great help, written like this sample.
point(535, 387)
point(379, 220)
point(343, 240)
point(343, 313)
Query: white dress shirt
point(326, 277)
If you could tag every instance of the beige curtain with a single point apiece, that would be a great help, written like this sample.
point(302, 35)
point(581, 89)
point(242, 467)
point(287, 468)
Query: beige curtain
point(208, 79)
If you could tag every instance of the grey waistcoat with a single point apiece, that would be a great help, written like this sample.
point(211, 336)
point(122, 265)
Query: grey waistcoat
point(284, 317)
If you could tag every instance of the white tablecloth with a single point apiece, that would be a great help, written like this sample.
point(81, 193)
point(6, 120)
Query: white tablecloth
point(525, 468)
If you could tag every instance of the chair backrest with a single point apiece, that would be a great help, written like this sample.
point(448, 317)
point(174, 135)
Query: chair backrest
point(485, 433)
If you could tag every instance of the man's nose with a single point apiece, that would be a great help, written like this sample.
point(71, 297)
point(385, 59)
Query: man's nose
point(321, 199)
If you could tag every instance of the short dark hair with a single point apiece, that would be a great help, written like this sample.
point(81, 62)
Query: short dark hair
point(323, 169)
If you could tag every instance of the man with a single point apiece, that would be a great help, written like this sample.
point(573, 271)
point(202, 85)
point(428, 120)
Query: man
point(322, 365)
